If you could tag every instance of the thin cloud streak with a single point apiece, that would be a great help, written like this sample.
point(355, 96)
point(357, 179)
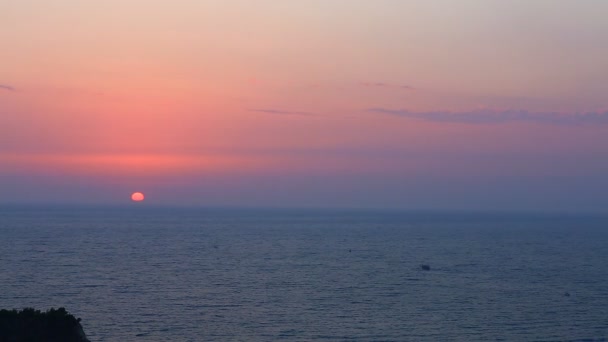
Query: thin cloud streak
point(281, 112)
point(386, 85)
point(500, 117)
point(7, 87)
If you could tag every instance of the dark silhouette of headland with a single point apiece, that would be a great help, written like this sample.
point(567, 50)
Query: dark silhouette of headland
point(29, 325)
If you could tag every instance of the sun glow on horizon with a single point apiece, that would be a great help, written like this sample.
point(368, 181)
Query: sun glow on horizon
point(116, 165)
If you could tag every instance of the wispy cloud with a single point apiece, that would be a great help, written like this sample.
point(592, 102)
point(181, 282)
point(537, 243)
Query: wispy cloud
point(281, 112)
point(386, 85)
point(498, 117)
point(7, 87)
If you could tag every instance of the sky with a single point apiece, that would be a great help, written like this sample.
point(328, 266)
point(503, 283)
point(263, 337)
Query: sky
point(440, 105)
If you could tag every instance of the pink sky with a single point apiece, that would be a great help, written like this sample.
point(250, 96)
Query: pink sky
point(483, 104)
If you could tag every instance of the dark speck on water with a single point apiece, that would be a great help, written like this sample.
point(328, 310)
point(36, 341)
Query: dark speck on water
point(158, 274)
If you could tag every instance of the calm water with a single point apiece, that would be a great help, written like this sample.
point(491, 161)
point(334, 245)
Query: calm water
point(213, 275)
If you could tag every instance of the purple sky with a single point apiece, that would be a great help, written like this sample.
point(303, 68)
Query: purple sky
point(473, 104)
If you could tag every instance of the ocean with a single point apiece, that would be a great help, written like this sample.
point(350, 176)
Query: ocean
point(184, 274)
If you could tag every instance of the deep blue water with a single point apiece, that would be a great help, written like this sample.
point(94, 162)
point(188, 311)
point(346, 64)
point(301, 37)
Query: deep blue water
point(143, 274)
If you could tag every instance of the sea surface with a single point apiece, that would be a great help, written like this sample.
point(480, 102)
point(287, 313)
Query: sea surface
point(163, 274)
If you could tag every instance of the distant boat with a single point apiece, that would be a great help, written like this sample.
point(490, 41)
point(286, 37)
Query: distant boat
point(425, 267)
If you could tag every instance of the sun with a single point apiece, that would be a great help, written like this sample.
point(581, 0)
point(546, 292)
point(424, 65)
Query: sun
point(137, 197)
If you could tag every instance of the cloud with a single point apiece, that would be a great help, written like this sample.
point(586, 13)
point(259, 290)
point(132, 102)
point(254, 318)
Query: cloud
point(499, 117)
point(281, 112)
point(386, 85)
point(7, 87)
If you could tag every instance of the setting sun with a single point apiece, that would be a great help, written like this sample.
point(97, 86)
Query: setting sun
point(137, 197)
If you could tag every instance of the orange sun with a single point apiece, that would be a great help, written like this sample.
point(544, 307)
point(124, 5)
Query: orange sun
point(137, 197)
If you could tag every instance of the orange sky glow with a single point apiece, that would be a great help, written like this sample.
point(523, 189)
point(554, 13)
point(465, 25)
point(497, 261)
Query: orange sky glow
point(407, 100)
